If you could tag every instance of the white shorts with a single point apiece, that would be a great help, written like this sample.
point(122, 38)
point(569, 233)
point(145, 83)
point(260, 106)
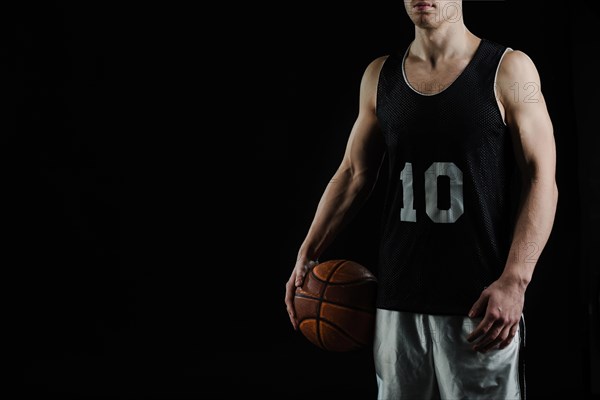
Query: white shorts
point(422, 356)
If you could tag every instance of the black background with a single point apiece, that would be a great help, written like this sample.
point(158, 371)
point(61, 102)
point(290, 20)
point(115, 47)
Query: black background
point(161, 174)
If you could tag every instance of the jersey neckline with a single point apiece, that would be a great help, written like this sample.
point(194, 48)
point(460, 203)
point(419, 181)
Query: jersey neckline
point(479, 46)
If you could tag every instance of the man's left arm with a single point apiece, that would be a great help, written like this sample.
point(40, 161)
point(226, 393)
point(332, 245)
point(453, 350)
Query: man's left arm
point(519, 91)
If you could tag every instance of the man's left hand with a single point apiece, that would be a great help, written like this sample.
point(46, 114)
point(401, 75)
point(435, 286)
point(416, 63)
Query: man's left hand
point(502, 303)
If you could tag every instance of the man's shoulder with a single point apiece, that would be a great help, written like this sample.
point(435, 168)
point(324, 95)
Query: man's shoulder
point(517, 58)
point(517, 72)
point(515, 64)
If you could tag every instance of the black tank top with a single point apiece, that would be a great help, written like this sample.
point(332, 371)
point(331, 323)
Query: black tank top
point(448, 215)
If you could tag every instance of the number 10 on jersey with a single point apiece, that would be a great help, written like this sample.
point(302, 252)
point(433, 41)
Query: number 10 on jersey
point(409, 214)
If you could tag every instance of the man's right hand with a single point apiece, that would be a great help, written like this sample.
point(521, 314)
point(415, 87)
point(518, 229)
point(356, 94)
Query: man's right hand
point(300, 269)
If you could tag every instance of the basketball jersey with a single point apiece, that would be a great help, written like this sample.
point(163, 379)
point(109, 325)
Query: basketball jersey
point(447, 216)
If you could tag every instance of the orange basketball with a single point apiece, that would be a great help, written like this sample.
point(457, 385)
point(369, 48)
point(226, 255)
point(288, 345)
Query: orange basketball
point(335, 305)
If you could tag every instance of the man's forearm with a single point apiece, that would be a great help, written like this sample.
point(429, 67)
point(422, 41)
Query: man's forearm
point(532, 229)
point(343, 196)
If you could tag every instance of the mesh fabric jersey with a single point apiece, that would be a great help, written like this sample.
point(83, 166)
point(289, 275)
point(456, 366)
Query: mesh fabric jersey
point(448, 213)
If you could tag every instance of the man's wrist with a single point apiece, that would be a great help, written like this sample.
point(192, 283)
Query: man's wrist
point(307, 254)
point(516, 278)
point(307, 260)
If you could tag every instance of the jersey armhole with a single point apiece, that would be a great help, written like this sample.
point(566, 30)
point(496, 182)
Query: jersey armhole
point(495, 85)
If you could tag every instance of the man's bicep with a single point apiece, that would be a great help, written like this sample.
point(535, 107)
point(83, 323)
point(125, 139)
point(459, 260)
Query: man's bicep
point(365, 148)
point(532, 132)
point(527, 115)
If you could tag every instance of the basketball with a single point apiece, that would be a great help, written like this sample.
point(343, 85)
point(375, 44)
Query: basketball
point(335, 305)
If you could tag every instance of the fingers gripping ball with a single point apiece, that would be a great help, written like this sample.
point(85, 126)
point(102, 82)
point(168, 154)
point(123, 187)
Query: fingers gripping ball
point(335, 305)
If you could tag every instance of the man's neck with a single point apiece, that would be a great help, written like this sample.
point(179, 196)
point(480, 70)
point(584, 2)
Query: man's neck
point(448, 41)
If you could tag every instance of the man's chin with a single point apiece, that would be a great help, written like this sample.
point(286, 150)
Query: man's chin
point(426, 22)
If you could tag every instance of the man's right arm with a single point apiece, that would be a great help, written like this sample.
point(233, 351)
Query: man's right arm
point(350, 186)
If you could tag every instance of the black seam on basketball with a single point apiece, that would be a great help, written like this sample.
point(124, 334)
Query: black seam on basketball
point(367, 310)
point(344, 333)
point(337, 327)
point(322, 294)
point(317, 332)
point(334, 270)
point(367, 279)
point(305, 296)
point(312, 272)
point(305, 319)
